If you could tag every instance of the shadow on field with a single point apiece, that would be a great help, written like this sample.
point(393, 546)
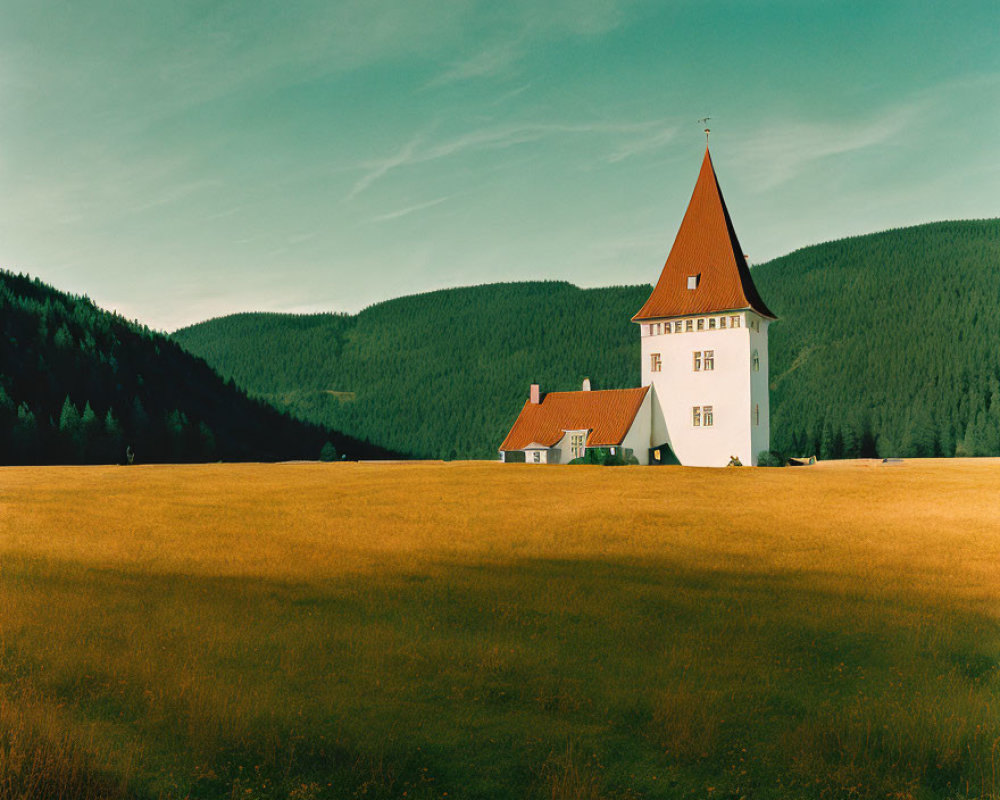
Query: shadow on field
point(553, 679)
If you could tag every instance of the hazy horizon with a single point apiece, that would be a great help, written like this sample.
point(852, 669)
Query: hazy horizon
point(177, 163)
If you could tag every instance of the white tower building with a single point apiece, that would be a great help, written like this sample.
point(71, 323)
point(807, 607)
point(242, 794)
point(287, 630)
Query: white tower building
point(704, 342)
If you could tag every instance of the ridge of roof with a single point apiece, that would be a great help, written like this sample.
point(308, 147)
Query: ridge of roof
point(706, 245)
point(606, 413)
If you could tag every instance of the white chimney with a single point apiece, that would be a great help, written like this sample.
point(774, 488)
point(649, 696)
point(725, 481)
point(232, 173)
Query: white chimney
point(586, 384)
point(535, 392)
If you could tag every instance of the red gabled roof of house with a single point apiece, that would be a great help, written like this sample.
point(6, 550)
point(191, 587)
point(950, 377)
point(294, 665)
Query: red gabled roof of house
point(706, 245)
point(607, 414)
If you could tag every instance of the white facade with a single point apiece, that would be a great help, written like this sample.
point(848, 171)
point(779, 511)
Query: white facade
point(538, 454)
point(638, 437)
point(710, 394)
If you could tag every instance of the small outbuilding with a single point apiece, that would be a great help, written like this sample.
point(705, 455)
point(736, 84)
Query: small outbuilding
point(559, 427)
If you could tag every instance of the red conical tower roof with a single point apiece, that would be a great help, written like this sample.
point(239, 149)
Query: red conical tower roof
point(706, 245)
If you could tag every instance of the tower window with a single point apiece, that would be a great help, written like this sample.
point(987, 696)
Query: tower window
point(693, 281)
point(701, 324)
point(697, 360)
point(734, 321)
point(756, 413)
point(666, 327)
point(654, 362)
point(696, 416)
point(722, 322)
point(689, 325)
point(711, 323)
point(706, 416)
point(709, 360)
point(755, 362)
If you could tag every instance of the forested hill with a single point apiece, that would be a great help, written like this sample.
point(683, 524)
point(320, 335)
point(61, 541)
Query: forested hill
point(886, 343)
point(437, 375)
point(80, 385)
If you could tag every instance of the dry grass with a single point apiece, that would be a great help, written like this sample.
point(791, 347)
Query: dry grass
point(485, 630)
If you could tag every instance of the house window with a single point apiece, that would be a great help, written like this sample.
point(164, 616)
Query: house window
point(755, 362)
point(536, 456)
point(756, 413)
point(577, 444)
point(706, 416)
point(693, 281)
point(711, 324)
point(654, 362)
point(696, 416)
point(689, 325)
point(701, 324)
point(734, 321)
point(709, 359)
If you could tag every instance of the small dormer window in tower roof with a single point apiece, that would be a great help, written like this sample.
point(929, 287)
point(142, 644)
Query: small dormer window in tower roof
point(693, 281)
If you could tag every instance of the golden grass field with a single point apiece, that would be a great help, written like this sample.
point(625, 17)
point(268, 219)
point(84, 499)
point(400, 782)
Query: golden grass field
point(487, 630)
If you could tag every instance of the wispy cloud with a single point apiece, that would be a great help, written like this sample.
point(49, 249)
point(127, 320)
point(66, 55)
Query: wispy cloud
point(500, 137)
point(487, 63)
point(404, 212)
point(378, 169)
point(646, 144)
point(510, 95)
point(779, 152)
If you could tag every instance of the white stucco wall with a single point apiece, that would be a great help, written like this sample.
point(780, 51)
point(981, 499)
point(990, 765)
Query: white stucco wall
point(638, 437)
point(760, 393)
point(529, 455)
point(729, 388)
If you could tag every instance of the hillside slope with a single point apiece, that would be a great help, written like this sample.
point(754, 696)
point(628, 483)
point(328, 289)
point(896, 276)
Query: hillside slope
point(886, 343)
point(79, 385)
point(438, 375)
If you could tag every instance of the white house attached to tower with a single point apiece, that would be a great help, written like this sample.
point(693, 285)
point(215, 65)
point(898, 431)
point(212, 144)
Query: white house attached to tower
point(704, 362)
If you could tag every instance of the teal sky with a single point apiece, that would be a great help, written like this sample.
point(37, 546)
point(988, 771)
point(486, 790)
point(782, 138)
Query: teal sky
point(181, 160)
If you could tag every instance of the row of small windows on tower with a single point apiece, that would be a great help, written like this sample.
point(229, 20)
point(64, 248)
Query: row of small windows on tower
point(703, 360)
point(690, 325)
point(704, 416)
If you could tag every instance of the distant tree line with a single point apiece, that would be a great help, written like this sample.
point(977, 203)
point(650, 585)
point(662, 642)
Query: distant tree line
point(81, 385)
point(439, 375)
point(887, 344)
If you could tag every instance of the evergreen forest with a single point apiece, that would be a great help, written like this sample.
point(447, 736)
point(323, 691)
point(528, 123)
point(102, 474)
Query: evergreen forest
point(887, 344)
point(81, 385)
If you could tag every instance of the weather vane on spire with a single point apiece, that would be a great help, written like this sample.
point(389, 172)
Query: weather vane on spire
point(704, 121)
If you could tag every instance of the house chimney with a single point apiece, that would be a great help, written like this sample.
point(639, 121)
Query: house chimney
point(586, 384)
point(534, 394)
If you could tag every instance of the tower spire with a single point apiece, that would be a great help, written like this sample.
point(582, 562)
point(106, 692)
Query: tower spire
point(704, 121)
point(705, 247)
